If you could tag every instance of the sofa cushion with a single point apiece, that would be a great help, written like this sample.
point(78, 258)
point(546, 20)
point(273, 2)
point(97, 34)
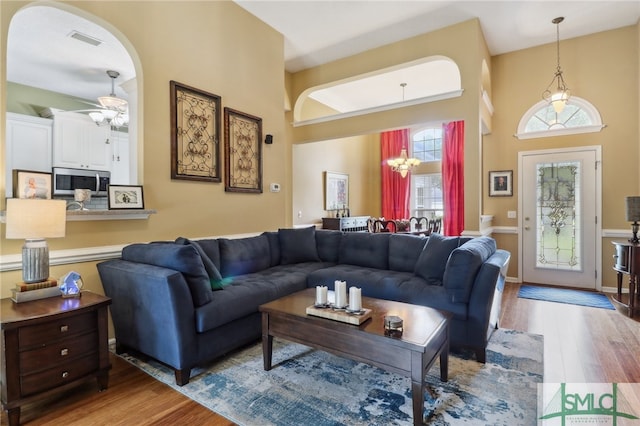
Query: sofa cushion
point(244, 255)
point(365, 249)
point(181, 258)
point(298, 245)
point(212, 271)
point(328, 244)
point(433, 258)
point(274, 246)
point(404, 251)
point(211, 248)
point(463, 265)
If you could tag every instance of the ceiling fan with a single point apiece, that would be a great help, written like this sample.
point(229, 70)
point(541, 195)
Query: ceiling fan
point(111, 110)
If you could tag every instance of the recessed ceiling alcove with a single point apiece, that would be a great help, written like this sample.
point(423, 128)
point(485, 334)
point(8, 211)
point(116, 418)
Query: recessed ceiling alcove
point(426, 80)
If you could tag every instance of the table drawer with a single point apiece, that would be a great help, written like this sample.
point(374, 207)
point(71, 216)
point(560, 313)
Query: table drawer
point(58, 352)
point(58, 375)
point(56, 329)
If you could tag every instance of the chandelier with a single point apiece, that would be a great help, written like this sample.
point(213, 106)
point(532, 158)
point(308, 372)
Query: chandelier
point(115, 110)
point(557, 93)
point(403, 164)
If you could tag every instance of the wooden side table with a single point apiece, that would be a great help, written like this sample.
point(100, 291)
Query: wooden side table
point(50, 345)
point(627, 262)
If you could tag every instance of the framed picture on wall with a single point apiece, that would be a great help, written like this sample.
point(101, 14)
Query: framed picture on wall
point(336, 187)
point(31, 184)
point(195, 134)
point(242, 152)
point(501, 183)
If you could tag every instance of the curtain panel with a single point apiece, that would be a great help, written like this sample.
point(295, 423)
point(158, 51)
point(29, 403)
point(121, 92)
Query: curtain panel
point(453, 178)
point(395, 188)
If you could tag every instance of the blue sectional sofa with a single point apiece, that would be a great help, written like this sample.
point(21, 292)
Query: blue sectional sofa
point(186, 302)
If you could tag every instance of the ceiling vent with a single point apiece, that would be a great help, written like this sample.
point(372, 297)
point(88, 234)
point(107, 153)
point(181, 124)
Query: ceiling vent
point(85, 38)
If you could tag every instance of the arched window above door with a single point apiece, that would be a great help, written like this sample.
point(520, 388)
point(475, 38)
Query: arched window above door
point(541, 120)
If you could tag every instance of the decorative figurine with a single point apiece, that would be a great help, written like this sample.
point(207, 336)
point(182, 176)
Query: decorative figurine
point(71, 284)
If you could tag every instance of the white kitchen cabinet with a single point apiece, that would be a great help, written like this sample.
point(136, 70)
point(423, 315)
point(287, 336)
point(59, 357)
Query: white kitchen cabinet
point(28, 146)
point(120, 158)
point(79, 144)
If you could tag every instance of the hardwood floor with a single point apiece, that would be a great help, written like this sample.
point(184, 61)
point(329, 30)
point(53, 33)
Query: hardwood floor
point(581, 345)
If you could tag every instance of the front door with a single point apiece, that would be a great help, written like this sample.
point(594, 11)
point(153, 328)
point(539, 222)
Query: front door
point(559, 217)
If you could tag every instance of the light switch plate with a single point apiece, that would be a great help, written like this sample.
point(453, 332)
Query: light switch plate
point(511, 214)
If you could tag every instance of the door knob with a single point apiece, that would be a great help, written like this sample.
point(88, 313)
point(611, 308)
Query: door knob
point(526, 228)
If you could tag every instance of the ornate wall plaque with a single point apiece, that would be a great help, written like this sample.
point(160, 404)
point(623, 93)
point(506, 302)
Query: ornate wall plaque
point(195, 130)
point(243, 152)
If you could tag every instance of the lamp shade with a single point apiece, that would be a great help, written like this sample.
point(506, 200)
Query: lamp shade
point(35, 219)
point(633, 209)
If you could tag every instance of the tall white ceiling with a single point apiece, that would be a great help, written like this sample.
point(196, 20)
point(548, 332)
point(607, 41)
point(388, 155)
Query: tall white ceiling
point(40, 53)
point(317, 32)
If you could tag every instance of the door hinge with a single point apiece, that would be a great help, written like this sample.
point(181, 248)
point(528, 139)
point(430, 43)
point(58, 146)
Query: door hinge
point(596, 274)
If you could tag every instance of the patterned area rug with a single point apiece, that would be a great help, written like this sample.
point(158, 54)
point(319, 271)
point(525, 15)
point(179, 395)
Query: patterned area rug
point(561, 295)
point(309, 387)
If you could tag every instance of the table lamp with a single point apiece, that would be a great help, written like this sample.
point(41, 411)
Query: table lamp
point(33, 221)
point(633, 215)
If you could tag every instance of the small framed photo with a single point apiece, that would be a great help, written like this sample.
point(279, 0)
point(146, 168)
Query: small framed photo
point(31, 184)
point(125, 197)
point(501, 183)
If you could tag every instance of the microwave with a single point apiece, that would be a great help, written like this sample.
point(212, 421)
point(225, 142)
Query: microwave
point(66, 181)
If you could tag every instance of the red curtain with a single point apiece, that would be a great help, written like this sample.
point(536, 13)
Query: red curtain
point(453, 177)
point(395, 188)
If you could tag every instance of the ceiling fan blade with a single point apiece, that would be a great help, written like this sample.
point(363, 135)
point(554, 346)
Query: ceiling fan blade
point(90, 103)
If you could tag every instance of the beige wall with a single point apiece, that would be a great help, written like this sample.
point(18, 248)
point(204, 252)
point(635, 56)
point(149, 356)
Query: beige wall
point(358, 157)
point(601, 68)
point(214, 46)
point(464, 44)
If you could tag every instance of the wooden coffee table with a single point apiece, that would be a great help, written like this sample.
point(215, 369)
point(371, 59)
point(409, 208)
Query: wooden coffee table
point(425, 337)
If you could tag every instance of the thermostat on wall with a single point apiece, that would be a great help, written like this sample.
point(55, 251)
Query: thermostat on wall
point(275, 187)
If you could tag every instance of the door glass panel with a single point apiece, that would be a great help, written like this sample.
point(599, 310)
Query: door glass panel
point(558, 216)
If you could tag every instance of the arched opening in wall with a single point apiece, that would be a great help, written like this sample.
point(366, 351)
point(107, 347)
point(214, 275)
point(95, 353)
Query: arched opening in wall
point(487, 105)
point(58, 57)
point(426, 80)
point(541, 120)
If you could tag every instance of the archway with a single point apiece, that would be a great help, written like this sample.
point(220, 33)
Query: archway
point(59, 64)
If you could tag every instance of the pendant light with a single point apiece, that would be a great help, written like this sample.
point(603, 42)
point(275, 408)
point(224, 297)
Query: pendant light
point(403, 164)
point(557, 93)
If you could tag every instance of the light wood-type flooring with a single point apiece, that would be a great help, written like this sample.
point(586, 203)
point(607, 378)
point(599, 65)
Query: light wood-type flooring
point(581, 345)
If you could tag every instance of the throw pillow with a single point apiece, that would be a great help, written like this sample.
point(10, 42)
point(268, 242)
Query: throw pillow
point(298, 245)
point(433, 259)
point(181, 258)
point(214, 275)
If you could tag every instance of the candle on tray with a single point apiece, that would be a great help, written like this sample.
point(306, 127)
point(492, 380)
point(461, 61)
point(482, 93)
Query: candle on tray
point(355, 299)
point(321, 295)
point(341, 293)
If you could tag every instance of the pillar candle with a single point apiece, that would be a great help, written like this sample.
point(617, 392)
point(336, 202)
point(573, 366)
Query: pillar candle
point(341, 293)
point(321, 295)
point(355, 299)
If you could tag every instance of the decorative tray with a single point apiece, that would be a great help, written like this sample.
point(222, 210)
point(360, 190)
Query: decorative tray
point(340, 314)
